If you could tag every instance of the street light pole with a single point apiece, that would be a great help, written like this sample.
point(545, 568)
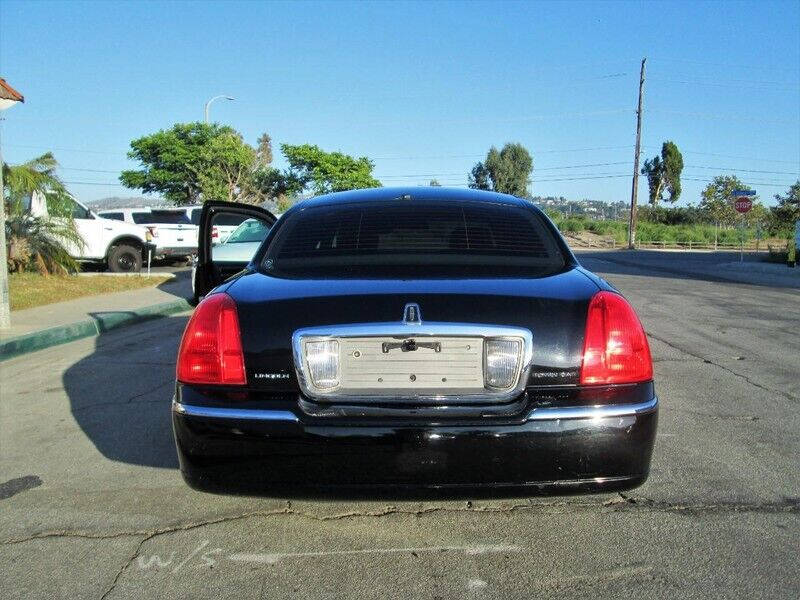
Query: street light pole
point(208, 104)
point(8, 98)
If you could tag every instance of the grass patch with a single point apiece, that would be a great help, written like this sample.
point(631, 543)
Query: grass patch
point(27, 290)
point(657, 232)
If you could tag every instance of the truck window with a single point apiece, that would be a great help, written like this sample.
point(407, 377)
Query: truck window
point(79, 212)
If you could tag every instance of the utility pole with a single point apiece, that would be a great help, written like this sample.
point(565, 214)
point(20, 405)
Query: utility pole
point(635, 184)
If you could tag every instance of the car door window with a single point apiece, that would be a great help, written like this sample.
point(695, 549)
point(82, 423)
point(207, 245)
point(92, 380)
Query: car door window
point(240, 237)
point(80, 212)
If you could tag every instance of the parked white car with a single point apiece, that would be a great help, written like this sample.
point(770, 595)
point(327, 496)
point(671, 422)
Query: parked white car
point(241, 245)
point(121, 246)
point(171, 229)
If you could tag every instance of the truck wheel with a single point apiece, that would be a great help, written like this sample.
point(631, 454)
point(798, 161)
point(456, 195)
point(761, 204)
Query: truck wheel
point(125, 259)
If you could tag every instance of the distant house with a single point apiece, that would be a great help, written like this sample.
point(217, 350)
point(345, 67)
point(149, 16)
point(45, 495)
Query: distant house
point(8, 95)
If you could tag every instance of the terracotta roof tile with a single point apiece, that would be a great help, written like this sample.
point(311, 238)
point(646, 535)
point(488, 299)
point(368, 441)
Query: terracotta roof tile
point(9, 93)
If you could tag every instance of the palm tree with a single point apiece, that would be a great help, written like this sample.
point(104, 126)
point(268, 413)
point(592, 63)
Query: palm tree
point(38, 242)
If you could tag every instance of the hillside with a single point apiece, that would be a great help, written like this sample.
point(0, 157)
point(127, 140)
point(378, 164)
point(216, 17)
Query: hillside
point(129, 202)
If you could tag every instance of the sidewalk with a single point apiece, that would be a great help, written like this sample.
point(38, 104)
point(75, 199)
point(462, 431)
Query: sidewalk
point(43, 326)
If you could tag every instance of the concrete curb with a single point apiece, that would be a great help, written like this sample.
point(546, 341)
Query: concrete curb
point(99, 323)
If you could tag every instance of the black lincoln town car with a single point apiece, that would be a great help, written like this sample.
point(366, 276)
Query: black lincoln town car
point(416, 337)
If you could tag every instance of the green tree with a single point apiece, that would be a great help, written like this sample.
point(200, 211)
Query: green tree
point(276, 186)
point(717, 201)
point(664, 173)
point(326, 172)
point(787, 212)
point(264, 151)
point(435, 183)
point(38, 243)
point(191, 162)
point(508, 170)
point(479, 177)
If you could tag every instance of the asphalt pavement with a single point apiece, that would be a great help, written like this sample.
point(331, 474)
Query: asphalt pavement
point(92, 504)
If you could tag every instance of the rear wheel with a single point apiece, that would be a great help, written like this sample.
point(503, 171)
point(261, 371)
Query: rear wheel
point(125, 259)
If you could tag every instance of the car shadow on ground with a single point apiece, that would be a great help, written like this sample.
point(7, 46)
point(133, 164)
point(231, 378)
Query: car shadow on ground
point(180, 285)
point(120, 394)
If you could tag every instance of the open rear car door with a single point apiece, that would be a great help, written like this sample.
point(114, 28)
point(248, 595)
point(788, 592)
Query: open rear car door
point(221, 252)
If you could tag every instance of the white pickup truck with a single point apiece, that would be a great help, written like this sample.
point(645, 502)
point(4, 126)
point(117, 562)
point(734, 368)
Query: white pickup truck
point(171, 229)
point(122, 247)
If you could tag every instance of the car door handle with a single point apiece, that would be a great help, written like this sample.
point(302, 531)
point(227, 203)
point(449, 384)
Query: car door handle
point(108, 228)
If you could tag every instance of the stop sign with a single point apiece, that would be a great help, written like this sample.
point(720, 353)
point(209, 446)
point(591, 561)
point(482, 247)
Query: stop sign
point(743, 205)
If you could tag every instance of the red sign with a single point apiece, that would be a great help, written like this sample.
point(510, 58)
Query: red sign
point(743, 205)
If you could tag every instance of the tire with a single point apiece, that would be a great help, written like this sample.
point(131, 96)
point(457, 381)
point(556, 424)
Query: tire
point(125, 259)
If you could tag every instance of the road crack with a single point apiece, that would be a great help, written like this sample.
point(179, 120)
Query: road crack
point(623, 502)
point(724, 368)
point(125, 566)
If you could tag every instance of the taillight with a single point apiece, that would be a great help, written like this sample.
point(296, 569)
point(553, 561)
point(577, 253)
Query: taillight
point(214, 233)
point(615, 348)
point(211, 348)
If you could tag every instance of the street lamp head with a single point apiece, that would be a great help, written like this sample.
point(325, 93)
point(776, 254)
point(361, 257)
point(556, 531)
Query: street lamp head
point(208, 104)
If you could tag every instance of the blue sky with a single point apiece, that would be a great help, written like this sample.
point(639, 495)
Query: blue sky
point(423, 89)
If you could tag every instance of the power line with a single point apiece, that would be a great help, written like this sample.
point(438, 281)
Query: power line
point(743, 170)
point(572, 115)
point(535, 170)
point(449, 156)
point(483, 154)
point(86, 170)
point(580, 177)
point(739, 157)
point(764, 183)
point(723, 117)
point(94, 183)
point(62, 149)
point(726, 65)
point(763, 85)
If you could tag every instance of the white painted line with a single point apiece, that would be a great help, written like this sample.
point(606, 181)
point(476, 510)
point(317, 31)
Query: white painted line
point(272, 558)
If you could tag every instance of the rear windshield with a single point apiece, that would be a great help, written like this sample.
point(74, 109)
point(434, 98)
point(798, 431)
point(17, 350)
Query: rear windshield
point(416, 237)
point(166, 217)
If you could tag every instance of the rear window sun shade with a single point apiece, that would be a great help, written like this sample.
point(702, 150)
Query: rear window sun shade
point(418, 231)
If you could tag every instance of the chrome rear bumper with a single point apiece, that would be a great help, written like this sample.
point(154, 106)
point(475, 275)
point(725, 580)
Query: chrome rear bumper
point(537, 414)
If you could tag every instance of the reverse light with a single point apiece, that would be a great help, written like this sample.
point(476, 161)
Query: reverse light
point(211, 348)
point(615, 348)
point(322, 358)
point(501, 362)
